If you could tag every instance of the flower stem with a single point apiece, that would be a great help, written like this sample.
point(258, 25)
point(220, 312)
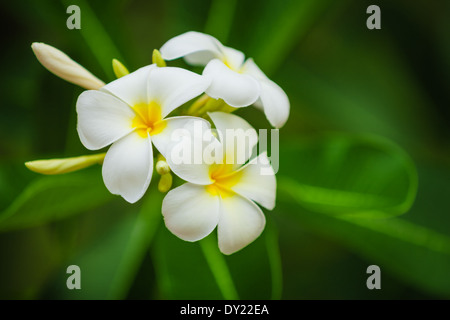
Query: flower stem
point(210, 106)
point(273, 252)
point(198, 104)
point(144, 230)
point(219, 268)
point(227, 108)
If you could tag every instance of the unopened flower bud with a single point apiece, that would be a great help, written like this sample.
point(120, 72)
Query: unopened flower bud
point(119, 69)
point(162, 167)
point(64, 67)
point(59, 166)
point(157, 59)
point(165, 183)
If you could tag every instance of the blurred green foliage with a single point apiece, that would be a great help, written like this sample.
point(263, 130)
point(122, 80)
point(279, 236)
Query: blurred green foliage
point(368, 130)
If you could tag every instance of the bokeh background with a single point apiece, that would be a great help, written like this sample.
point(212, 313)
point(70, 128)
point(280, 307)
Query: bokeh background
point(369, 118)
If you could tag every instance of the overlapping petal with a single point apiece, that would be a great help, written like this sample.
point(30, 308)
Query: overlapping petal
point(273, 100)
point(175, 128)
point(171, 87)
point(241, 222)
point(128, 167)
point(102, 119)
point(190, 212)
point(251, 68)
point(236, 89)
point(257, 181)
point(237, 136)
point(196, 47)
point(132, 88)
point(185, 144)
point(233, 58)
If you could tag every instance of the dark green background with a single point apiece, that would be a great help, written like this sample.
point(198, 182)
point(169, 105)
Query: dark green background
point(344, 81)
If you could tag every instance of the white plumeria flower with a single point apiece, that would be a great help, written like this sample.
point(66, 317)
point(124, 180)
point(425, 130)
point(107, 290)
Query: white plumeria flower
point(130, 113)
point(239, 83)
point(222, 194)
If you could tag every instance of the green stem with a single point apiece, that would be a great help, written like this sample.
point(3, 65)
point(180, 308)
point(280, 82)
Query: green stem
point(227, 108)
point(273, 252)
point(140, 239)
point(198, 104)
point(210, 106)
point(219, 268)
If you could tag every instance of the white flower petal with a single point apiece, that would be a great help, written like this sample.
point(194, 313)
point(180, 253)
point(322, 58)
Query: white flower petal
point(182, 143)
point(257, 181)
point(201, 58)
point(174, 128)
point(234, 58)
point(252, 69)
point(128, 167)
point(190, 212)
point(237, 136)
point(171, 87)
point(273, 100)
point(241, 222)
point(196, 47)
point(238, 90)
point(132, 88)
point(275, 103)
point(102, 119)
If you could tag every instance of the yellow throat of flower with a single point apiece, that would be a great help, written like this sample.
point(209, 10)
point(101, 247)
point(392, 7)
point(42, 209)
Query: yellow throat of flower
point(237, 69)
point(148, 119)
point(224, 178)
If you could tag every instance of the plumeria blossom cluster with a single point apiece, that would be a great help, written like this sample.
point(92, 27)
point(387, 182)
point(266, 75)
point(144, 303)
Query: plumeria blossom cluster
point(143, 119)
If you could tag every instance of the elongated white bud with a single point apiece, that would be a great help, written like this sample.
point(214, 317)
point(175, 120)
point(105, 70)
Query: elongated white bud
point(65, 165)
point(60, 64)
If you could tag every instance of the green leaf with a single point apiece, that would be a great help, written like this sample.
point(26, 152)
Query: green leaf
point(220, 19)
point(96, 37)
point(365, 176)
point(349, 175)
point(110, 264)
point(282, 27)
point(415, 254)
point(52, 198)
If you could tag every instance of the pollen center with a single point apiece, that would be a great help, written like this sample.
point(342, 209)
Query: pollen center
point(148, 119)
point(224, 178)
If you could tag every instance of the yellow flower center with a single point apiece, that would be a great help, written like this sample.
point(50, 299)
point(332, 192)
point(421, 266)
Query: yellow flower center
point(224, 179)
point(148, 119)
point(227, 62)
